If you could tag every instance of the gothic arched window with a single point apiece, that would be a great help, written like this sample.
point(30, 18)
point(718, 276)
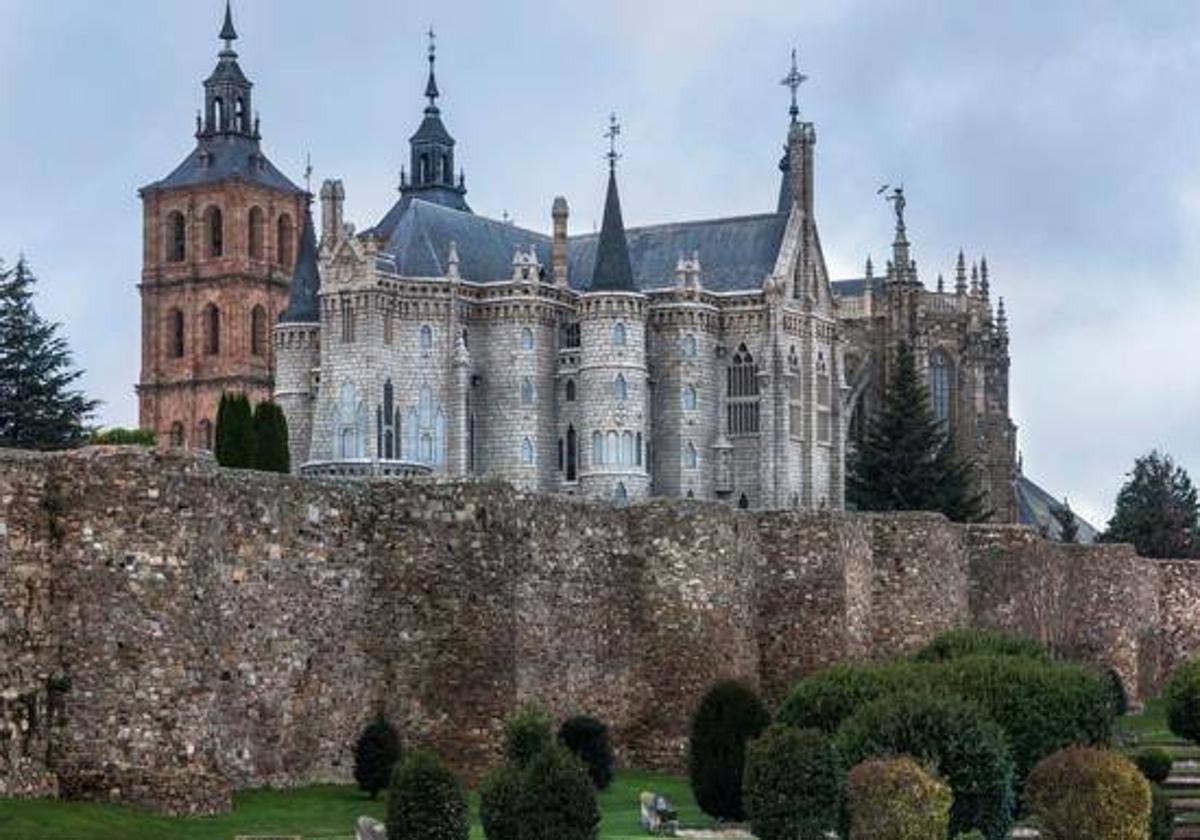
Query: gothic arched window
point(256, 226)
point(258, 331)
point(691, 459)
point(527, 391)
point(689, 346)
point(285, 235)
point(597, 449)
point(620, 388)
point(176, 237)
point(214, 228)
point(570, 390)
point(618, 334)
point(176, 334)
point(621, 495)
point(742, 387)
point(527, 452)
point(638, 453)
point(824, 400)
point(612, 448)
point(690, 398)
point(627, 453)
point(572, 454)
point(350, 433)
point(389, 419)
point(239, 115)
point(212, 330)
point(526, 339)
point(426, 339)
point(939, 385)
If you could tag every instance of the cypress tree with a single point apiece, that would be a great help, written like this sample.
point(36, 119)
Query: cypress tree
point(270, 438)
point(906, 460)
point(1157, 510)
point(39, 409)
point(235, 432)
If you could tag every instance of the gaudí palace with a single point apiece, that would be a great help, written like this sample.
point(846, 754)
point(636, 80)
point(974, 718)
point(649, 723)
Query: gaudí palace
point(711, 359)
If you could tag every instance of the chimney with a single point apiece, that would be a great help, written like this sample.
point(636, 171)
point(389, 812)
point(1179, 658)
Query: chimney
point(558, 251)
point(333, 196)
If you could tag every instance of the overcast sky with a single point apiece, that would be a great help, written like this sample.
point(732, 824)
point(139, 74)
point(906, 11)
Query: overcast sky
point(1058, 138)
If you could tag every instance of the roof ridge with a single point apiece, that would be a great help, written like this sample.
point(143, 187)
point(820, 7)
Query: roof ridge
point(690, 223)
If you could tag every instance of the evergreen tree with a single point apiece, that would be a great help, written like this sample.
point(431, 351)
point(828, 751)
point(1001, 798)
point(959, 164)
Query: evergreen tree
point(235, 432)
point(1068, 524)
point(38, 407)
point(270, 438)
point(906, 460)
point(1157, 510)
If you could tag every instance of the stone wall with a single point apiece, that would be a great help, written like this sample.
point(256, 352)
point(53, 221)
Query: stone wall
point(163, 619)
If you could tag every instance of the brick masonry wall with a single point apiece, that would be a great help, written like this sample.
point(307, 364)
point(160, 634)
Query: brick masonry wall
point(161, 616)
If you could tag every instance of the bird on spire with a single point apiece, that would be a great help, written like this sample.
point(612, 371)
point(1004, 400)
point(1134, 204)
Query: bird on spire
point(792, 81)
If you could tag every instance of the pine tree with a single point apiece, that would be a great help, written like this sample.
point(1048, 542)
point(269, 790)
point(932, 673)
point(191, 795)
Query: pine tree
point(235, 432)
point(1157, 510)
point(906, 460)
point(1068, 523)
point(38, 407)
point(270, 438)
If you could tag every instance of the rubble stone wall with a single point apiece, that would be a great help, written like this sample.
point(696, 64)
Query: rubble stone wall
point(164, 619)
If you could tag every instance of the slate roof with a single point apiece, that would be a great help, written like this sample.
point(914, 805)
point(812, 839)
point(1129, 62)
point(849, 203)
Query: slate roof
point(1033, 508)
point(302, 305)
point(229, 156)
point(736, 254)
point(856, 286)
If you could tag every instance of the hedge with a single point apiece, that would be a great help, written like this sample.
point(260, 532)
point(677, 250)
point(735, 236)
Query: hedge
point(426, 802)
point(954, 644)
point(527, 734)
point(792, 784)
point(1182, 694)
point(729, 715)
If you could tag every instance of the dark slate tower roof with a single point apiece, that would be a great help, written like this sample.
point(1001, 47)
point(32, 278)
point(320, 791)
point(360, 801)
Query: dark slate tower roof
point(613, 271)
point(227, 136)
point(306, 281)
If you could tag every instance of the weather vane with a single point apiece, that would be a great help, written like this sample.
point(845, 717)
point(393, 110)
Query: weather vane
point(308, 171)
point(432, 43)
point(792, 81)
point(614, 131)
point(897, 200)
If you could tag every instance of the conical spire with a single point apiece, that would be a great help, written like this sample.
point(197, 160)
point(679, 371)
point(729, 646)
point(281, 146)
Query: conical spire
point(974, 279)
point(306, 280)
point(228, 33)
point(960, 274)
point(984, 287)
point(613, 271)
point(941, 284)
point(1002, 319)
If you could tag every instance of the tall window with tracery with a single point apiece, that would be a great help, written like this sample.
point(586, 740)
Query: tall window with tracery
point(742, 390)
point(347, 321)
point(824, 401)
point(939, 385)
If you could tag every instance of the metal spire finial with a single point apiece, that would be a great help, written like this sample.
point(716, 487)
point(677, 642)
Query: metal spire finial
point(431, 88)
point(228, 33)
point(792, 81)
point(614, 131)
point(308, 172)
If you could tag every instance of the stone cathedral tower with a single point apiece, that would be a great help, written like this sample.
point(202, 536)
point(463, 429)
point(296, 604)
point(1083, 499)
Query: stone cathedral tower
point(220, 238)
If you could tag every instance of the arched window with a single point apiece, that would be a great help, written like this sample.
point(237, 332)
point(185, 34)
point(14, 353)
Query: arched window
point(175, 334)
point(439, 438)
point(612, 448)
point(212, 330)
point(285, 235)
point(218, 114)
point(689, 346)
point(389, 329)
point(256, 229)
point(824, 400)
point(239, 115)
point(176, 237)
point(597, 449)
point(572, 454)
point(618, 334)
point(214, 228)
point(426, 339)
point(939, 385)
point(176, 434)
point(743, 502)
point(627, 448)
point(389, 418)
point(620, 388)
point(690, 398)
point(526, 339)
point(349, 443)
point(527, 391)
point(621, 495)
point(447, 171)
point(527, 452)
point(570, 390)
point(639, 449)
point(205, 434)
point(258, 331)
point(742, 387)
point(348, 324)
point(691, 458)
point(562, 455)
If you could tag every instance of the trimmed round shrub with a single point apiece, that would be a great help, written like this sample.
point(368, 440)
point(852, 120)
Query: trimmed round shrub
point(1155, 764)
point(1162, 815)
point(499, 803)
point(954, 644)
point(587, 738)
point(729, 715)
point(792, 785)
point(826, 698)
point(375, 756)
point(527, 735)
point(425, 801)
point(896, 799)
point(1081, 793)
point(557, 800)
point(952, 737)
point(1182, 695)
point(1041, 706)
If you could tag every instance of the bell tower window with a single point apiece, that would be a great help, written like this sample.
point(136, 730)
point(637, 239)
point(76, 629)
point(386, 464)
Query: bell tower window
point(256, 226)
point(176, 237)
point(212, 330)
point(214, 226)
point(176, 335)
point(285, 234)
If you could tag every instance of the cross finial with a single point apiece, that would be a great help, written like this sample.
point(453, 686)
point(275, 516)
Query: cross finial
point(308, 172)
point(614, 131)
point(432, 36)
point(792, 81)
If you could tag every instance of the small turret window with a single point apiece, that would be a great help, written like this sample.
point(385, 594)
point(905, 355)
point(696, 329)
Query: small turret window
point(939, 385)
point(214, 226)
point(691, 459)
point(240, 115)
point(527, 452)
point(627, 455)
point(618, 335)
point(824, 400)
point(218, 114)
point(526, 339)
point(689, 346)
point(527, 391)
point(426, 339)
point(447, 170)
point(572, 454)
point(570, 390)
point(620, 388)
point(612, 448)
point(690, 398)
point(176, 237)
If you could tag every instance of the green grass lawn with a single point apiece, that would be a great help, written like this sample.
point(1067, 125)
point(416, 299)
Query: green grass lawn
point(325, 811)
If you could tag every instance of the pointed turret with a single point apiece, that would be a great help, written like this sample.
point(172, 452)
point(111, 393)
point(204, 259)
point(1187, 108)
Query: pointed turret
point(302, 305)
point(1002, 320)
point(613, 271)
point(960, 275)
point(974, 279)
point(941, 284)
point(984, 287)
